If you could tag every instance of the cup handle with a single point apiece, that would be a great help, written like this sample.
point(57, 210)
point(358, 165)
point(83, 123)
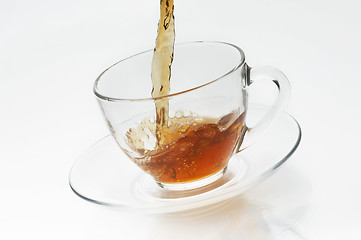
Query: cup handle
point(266, 73)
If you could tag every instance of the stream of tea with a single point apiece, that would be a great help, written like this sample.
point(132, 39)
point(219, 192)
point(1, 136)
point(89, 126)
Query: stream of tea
point(161, 67)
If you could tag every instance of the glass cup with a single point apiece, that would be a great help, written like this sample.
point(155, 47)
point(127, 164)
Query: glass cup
point(207, 111)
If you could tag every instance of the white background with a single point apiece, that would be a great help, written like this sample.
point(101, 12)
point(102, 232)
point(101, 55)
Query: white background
point(52, 51)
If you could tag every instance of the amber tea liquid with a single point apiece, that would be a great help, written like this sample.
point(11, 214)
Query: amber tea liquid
point(196, 148)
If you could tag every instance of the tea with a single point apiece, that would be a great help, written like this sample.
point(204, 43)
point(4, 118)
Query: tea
point(195, 147)
point(186, 148)
point(161, 65)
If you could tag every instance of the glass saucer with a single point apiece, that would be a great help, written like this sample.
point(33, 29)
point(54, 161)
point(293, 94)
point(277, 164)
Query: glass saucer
point(104, 175)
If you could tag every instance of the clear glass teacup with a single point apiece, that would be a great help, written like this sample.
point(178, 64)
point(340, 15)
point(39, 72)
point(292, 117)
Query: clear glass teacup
point(207, 111)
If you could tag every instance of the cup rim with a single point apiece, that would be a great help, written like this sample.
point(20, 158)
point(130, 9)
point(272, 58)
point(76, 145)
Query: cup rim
point(113, 99)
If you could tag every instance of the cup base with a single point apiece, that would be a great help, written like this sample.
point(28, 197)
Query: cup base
point(193, 184)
